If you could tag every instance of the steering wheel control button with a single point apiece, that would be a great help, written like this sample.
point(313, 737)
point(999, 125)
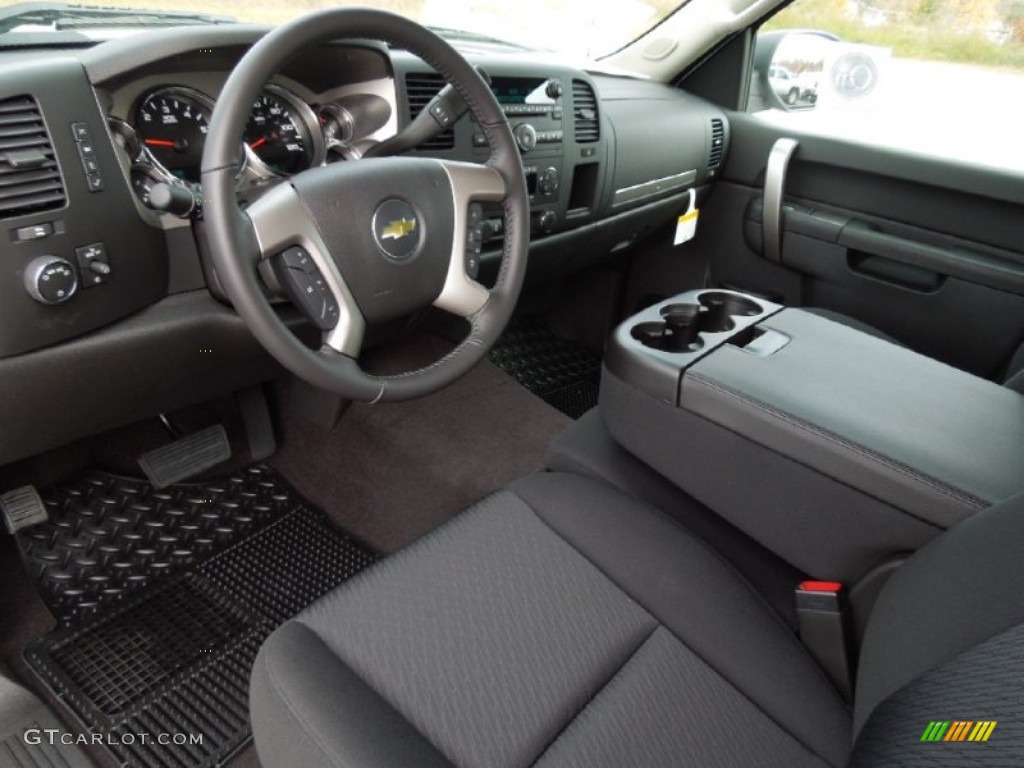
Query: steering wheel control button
point(51, 279)
point(441, 115)
point(34, 232)
point(397, 229)
point(298, 258)
point(93, 264)
point(330, 313)
point(305, 286)
point(475, 224)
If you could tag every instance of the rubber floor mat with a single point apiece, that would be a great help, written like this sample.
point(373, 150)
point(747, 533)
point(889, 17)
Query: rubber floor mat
point(564, 373)
point(165, 643)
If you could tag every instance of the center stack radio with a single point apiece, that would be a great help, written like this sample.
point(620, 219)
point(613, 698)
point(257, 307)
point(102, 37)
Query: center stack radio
point(536, 111)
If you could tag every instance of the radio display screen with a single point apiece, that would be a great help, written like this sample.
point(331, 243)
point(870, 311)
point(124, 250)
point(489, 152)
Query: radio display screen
point(520, 90)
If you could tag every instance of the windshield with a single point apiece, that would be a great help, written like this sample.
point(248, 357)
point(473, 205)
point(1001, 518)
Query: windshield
point(587, 28)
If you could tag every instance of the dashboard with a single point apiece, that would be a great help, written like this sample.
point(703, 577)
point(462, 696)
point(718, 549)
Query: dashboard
point(101, 226)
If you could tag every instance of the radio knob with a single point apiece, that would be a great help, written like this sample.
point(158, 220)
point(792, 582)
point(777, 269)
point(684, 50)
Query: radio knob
point(51, 279)
point(554, 89)
point(526, 137)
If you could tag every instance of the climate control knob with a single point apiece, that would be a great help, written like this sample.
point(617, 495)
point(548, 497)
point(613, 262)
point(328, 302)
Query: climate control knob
point(526, 137)
point(51, 279)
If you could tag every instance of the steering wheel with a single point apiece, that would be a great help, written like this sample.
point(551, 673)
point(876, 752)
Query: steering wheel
point(370, 240)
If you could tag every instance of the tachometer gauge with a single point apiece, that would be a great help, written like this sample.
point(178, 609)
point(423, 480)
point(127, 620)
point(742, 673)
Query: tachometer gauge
point(283, 133)
point(172, 125)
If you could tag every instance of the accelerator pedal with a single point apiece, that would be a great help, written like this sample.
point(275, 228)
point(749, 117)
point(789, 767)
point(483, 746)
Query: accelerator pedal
point(186, 457)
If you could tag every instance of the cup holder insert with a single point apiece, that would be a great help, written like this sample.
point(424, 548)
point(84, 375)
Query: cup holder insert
point(721, 307)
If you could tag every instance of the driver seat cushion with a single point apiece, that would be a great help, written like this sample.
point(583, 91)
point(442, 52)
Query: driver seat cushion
point(558, 622)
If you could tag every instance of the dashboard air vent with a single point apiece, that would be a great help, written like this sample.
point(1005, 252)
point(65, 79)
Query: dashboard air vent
point(29, 177)
point(420, 88)
point(717, 143)
point(584, 111)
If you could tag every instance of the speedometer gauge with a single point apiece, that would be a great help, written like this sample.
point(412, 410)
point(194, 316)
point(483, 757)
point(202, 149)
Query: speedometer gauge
point(172, 124)
point(280, 134)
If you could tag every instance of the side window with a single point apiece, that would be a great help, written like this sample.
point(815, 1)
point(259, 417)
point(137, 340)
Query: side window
point(939, 77)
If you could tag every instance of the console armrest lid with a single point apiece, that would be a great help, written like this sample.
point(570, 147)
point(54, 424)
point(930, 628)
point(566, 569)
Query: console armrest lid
point(915, 433)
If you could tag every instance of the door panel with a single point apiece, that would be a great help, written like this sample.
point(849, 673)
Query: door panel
point(927, 250)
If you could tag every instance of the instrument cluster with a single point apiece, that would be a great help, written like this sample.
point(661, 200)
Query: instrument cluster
point(283, 136)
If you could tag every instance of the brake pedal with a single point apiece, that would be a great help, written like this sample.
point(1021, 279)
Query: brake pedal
point(21, 508)
point(186, 457)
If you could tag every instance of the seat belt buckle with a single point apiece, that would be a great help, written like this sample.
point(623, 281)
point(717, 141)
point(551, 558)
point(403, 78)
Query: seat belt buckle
point(824, 621)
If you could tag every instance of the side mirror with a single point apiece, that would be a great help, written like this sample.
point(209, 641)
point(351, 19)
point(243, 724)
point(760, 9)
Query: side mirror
point(789, 67)
point(794, 69)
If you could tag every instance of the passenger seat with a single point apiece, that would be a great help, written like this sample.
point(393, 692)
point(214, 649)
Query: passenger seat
point(561, 623)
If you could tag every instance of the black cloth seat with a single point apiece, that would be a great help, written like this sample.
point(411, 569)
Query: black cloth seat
point(561, 623)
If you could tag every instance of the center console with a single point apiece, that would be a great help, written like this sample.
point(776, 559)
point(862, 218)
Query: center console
point(556, 125)
point(833, 448)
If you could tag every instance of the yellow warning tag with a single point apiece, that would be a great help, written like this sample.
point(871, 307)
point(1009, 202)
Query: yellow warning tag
point(686, 225)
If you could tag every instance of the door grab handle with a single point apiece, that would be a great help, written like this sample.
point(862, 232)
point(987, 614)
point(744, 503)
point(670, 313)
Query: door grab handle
point(1004, 273)
point(774, 184)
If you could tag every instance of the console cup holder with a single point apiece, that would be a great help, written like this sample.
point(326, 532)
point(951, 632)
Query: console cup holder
point(683, 323)
point(653, 348)
point(722, 307)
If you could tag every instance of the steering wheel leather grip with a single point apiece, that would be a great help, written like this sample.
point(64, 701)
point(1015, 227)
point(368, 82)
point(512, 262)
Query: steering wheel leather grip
point(305, 211)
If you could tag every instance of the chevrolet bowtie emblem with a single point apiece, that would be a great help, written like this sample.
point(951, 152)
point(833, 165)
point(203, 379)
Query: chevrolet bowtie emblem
point(398, 229)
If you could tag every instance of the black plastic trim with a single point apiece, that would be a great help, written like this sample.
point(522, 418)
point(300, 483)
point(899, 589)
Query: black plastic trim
point(746, 162)
point(185, 349)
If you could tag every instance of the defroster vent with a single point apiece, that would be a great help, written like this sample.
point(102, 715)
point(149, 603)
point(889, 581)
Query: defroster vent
point(29, 176)
point(586, 124)
point(717, 143)
point(420, 88)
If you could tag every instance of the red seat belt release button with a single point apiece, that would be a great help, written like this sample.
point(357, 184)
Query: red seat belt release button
point(824, 621)
point(820, 586)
